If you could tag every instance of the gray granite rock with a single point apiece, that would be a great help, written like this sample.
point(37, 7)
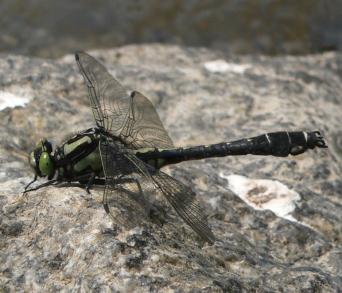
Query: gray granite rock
point(61, 238)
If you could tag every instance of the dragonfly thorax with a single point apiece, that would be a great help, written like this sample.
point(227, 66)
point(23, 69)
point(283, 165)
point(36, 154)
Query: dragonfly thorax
point(41, 159)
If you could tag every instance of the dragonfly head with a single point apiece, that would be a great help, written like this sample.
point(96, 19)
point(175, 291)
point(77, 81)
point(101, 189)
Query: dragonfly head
point(41, 159)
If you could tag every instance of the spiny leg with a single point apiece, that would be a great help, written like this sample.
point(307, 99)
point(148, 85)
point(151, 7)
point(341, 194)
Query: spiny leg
point(51, 182)
point(90, 182)
point(34, 180)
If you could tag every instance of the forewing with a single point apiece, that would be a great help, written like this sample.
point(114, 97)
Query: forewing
point(109, 100)
point(130, 117)
point(183, 200)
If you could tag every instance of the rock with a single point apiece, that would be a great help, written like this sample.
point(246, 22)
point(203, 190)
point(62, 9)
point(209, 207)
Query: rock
point(60, 238)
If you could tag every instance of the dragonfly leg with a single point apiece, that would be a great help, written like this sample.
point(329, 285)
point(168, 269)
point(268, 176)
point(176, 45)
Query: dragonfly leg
point(51, 182)
point(90, 182)
point(34, 180)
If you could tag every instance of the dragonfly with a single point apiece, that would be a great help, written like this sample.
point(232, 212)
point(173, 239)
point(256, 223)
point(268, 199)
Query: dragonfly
point(127, 147)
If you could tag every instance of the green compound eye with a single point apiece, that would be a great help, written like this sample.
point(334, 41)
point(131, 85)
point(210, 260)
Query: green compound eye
point(46, 165)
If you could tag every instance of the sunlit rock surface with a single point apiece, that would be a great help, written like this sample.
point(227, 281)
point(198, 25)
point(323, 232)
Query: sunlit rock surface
point(61, 238)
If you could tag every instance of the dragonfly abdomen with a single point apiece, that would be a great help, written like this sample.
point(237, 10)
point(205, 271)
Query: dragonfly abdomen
point(279, 144)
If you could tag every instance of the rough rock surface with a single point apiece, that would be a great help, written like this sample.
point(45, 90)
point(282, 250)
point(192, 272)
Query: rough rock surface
point(61, 238)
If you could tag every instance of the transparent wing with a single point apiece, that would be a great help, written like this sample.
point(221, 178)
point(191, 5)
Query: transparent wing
point(102, 90)
point(143, 127)
point(124, 197)
point(125, 202)
point(133, 204)
point(183, 200)
point(131, 117)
